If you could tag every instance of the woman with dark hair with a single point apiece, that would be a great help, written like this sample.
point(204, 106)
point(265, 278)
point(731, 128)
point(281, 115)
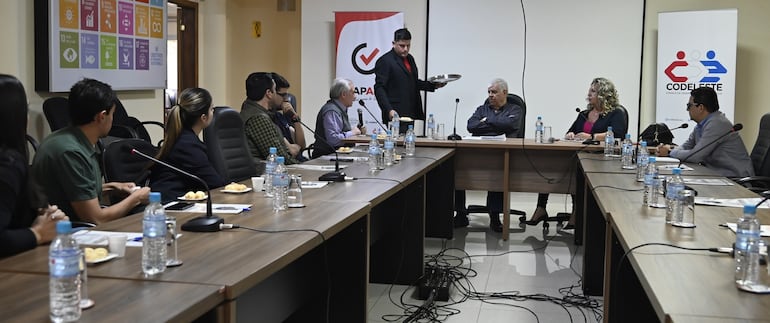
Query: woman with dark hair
point(183, 148)
point(21, 228)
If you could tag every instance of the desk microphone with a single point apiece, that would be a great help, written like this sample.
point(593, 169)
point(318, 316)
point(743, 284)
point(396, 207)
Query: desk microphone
point(336, 175)
point(737, 127)
point(360, 118)
point(361, 102)
point(208, 223)
point(766, 195)
point(588, 141)
point(454, 135)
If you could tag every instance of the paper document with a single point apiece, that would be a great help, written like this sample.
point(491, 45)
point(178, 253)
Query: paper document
point(672, 166)
point(499, 137)
point(99, 238)
point(708, 181)
point(345, 158)
point(739, 202)
point(764, 230)
point(666, 160)
point(325, 168)
point(313, 184)
point(216, 208)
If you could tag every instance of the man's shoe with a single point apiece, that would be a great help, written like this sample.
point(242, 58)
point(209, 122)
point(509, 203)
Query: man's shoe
point(461, 221)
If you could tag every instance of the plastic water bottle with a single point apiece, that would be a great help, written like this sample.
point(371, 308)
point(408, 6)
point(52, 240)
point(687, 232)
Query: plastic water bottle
point(539, 130)
point(64, 268)
point(627, 158)
point(609, 142)
point(747, 233)
point(409, 141)
point(674, 185)
point(642, 157)
point(431, 127)
point(280, 186)
point(374, 153)
point(154, 237)
point(395, 125)
point(390, 150)
point(269, 169)
point(649, 180)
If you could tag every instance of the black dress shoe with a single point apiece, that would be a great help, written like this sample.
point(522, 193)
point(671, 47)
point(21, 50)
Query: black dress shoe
point(460, 221)
point(568, 227)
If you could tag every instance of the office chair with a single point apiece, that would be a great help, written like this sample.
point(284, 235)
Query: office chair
point(125, 126)
point(517, 100)
point(120, 165)
point(57, 112)
point(227, 146)
point(760, 159)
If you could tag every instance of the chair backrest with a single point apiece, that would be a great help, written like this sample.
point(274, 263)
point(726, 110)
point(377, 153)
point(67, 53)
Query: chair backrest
point(292, 100)
point(760, 157)
point(125, 126)
point(517, 100)
point(120, 165)
point(625, 116)
point(57, 112)
point(226, 145)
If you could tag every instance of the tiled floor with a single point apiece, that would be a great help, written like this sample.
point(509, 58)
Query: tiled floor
point(532, 261)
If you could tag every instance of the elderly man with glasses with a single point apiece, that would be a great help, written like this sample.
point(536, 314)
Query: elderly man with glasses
point(332, 121)
point(728, 155)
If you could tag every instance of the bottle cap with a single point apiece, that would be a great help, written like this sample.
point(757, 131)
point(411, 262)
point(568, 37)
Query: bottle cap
point(430, 114)
point(63, 227)
point(410, 127)
point(676, 171)
point(273, 150)
point(628, 136)
point(154, 197)
point(374, 136)
point(651, 159)
point(748, 208)
point(280, 159)
point(609, 128)
point(643, 143)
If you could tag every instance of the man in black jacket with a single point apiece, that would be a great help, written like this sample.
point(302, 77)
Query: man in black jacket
point(396, 85)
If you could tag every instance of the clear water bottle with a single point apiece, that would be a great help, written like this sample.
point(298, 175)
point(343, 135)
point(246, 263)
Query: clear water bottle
point(389, 150)
point(649, 179)
point(627, 157)
point(395, 125)
point(154, 237)
point(747, 232)
point(269, 169)
point(431, 127)
point(674, 185)
point(609, 142)
point(409, 141)
point(374, 153)
point(64, 268)
point(642, 157)
point(539, 130)
point(280, 185)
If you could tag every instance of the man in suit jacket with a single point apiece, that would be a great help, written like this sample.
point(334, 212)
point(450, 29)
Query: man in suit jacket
point(396, 85)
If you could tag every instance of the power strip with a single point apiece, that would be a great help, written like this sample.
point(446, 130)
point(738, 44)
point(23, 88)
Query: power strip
point(434, 278)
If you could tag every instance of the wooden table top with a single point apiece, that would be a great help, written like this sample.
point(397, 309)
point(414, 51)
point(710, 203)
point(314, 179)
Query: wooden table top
point(680, 281)
point(26, 299)
point(597, 163)
point(508, 143)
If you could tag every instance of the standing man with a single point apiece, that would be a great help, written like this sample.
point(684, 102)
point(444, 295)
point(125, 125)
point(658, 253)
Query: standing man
point(67, 163)
point(258, 114)
point(396, 85)
point(332, 121)
point(728, 157)
point(495, 117)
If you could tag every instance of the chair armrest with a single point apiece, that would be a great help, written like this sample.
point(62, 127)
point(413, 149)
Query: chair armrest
point(754, 183)
point(157, 123)
point(122, 131)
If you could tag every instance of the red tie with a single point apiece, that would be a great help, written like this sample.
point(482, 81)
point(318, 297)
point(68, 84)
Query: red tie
point(408, 67)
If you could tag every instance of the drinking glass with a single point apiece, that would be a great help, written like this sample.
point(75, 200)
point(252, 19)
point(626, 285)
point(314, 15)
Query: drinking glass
point(85, 302)
point(439, 132)
point(171, 241)
point(684, 211)
point(295, 191)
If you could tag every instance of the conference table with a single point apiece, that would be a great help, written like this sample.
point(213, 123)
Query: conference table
point(659, 283)
point(510, 165)
point(302, 264)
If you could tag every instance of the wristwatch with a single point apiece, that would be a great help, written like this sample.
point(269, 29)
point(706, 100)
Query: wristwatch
point(592, 137)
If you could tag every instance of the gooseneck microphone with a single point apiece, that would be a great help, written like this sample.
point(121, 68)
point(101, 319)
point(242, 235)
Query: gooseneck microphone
point(208, 223)
point(361, 102)
point(336, 175)
point(737, 127)
point(360, 118)
point(454, 135)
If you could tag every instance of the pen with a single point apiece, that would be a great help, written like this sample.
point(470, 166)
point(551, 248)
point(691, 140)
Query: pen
point(137, 239)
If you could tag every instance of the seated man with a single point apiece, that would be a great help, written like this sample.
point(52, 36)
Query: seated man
point(332, 121)
point(728, 157)
point(494, 118)
point(67, 163)
point(288, 120)
point(258, 114)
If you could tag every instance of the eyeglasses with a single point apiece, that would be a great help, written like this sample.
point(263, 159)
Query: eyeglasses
point(283, 95)
point(690, 105)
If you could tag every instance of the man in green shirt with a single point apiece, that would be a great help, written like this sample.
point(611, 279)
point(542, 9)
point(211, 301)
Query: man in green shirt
point(257, 112)
point(66, 166)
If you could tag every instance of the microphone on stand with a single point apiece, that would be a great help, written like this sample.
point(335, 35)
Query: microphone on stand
point(336, 175)
point(588, 141)
point(361, 102)
point(208, 223)
point(737, 127)
point(454, 135)
point(360, 118)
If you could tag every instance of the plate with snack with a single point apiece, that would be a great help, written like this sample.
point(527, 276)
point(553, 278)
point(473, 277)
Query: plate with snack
point(236, 188)
point(194, 196)
point(344, 150)
point(97, 255)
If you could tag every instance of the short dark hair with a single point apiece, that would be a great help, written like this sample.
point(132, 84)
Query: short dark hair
point(13, 107)
point(257, 84)
point(89, 97)
point(707, 96)
point(402, 34)
point(280, 81)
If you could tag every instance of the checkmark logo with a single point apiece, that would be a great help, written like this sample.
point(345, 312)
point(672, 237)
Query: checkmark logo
point(368, 59)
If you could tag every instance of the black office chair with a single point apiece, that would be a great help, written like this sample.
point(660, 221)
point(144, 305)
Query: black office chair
point(57, 112)
point(226, 143)
point(120, 165)
point(125, 126)
point(760, 159)
point(517, 100)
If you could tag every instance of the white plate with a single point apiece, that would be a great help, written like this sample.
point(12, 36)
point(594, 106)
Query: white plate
point(109, 257)
point(182, 198)
point(248, 189)
point(444, 78)
point(344, 151)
